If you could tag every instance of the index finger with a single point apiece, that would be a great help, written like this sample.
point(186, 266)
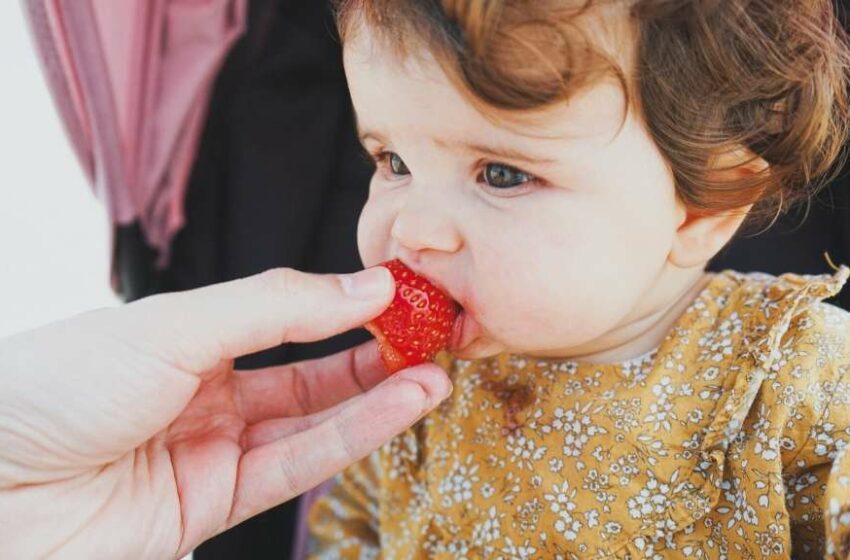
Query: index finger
point(196, 330)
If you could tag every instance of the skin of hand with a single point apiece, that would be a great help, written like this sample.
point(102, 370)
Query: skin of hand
point(126, 432)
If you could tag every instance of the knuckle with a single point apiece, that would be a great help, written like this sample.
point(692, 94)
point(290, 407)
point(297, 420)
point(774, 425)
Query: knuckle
point(300, 391)
point(280, 285)
point(277, 280)
point(289, 481)
point(345, 440)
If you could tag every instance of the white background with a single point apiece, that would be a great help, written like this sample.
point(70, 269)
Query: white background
point(54, 239)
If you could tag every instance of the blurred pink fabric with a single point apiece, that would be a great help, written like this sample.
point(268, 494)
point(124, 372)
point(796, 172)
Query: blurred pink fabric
point(132, 80)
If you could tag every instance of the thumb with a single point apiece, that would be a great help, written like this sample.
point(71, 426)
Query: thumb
point(199, 328)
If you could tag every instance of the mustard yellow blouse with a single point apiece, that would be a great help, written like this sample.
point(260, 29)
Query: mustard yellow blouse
point(729, 441)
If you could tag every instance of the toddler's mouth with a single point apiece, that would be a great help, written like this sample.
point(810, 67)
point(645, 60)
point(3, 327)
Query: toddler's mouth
point(418, 323)
point(464, 332)
point(465, 328)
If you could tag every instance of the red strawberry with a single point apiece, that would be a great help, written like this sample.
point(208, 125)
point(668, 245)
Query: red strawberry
point(417, 324)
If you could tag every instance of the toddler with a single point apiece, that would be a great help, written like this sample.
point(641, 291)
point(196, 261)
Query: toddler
point(565, 169)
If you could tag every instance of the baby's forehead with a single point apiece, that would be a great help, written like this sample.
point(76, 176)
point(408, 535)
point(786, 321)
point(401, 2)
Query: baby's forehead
point(519, 60)
point(374, 65)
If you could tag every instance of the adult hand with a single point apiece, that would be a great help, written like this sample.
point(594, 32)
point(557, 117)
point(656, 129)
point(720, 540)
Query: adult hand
point(125, 432)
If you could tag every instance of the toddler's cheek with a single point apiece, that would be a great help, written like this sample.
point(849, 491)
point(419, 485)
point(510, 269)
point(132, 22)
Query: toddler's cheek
point(511, 321)
point(542, 317)
point(373, 240)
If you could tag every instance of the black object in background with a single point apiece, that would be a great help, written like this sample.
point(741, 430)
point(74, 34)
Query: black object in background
point(799, 239)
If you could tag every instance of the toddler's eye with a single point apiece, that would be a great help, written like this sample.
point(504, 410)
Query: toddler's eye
point(501, 176)
point(397, 165)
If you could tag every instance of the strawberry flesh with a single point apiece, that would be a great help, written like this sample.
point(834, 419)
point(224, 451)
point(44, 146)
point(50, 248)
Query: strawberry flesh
point(418, 323)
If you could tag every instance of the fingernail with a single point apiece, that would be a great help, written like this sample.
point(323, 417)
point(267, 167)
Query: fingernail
point(367, 284)
point(446, 393)
point(437, 387)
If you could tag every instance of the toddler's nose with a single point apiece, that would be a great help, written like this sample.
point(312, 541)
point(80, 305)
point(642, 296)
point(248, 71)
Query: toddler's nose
point(424, 225)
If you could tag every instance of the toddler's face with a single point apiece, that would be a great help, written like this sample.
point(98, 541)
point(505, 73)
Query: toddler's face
point(552, 230)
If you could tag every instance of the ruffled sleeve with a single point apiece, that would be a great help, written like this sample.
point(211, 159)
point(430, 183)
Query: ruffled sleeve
point(817, 433)
point(838, 502)
point(818, 477)
point(789, 398)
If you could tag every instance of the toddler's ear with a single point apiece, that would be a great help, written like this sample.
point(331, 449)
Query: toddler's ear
point(703, 233)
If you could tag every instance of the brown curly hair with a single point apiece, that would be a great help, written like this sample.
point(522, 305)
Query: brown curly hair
point(708, 76)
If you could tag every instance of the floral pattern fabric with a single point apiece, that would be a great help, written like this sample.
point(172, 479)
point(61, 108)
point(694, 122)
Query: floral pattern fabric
point(728, 441)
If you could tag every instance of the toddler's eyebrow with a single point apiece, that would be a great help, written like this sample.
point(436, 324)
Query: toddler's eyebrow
point(495, 152)
point(505, 153)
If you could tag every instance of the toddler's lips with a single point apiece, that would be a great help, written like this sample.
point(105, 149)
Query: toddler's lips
point(464, 331)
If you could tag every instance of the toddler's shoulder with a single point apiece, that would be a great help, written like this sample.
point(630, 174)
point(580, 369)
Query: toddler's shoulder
point(802, 346)
point(784, 351)
point(801, 341)
point(785, 318)
point(810, 373)
point(811, 341)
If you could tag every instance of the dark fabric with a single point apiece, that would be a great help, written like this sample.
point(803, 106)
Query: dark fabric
point(279, 181)
point(798, 241)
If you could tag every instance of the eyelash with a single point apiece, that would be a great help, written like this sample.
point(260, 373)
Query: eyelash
point(379, 158)
point(381, 161)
